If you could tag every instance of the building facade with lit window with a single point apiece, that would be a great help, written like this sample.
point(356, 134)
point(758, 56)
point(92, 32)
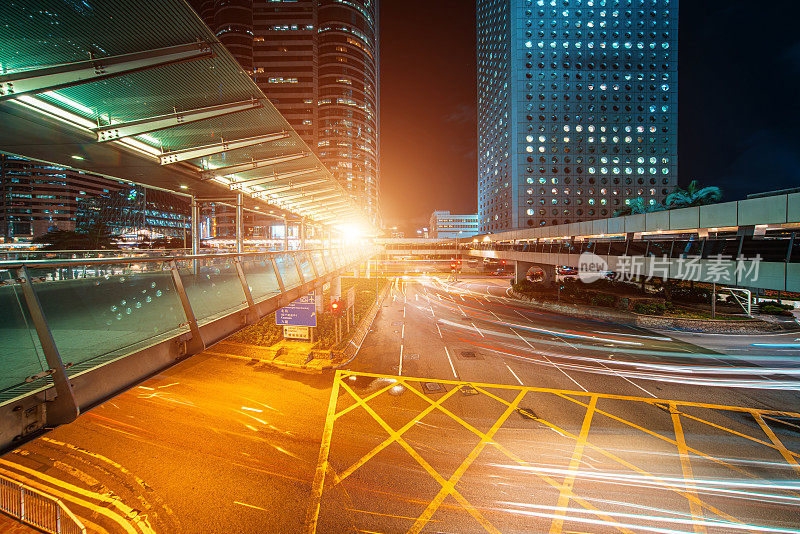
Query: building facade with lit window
point(577, 108)
point(444, 224)
point(317, 61)
point(37, 197)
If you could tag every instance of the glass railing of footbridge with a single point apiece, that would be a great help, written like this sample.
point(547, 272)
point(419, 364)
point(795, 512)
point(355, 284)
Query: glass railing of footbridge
point(101, 310)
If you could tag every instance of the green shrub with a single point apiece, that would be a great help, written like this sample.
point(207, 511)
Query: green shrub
point(651, 308)
point(606, 301)
point(772, 308)
point(777, 305)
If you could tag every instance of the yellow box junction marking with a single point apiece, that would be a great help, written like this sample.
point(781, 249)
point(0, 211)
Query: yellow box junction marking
point(565, 487)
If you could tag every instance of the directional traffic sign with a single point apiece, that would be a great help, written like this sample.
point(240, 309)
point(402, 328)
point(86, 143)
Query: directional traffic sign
point(301, 312)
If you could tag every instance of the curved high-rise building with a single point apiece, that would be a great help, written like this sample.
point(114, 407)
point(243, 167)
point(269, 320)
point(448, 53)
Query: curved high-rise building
point(232, 22)
point(317, 61)
point(348, 96)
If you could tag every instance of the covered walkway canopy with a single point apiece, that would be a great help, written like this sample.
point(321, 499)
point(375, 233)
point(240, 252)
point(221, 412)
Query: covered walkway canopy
point(143, 91)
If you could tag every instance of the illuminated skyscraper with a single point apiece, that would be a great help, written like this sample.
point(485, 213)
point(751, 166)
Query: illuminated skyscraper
point(577, 108)
point(317, 61)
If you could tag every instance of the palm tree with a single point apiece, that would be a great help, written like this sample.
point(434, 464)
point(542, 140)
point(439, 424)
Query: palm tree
point(692, 196)
point(637, 205)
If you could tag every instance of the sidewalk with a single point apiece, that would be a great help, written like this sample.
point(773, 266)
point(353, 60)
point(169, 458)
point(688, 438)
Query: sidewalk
point(9, 525)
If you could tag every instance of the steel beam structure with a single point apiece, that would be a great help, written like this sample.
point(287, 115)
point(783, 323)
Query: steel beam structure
point(174, 156)
point(33, 81)
point(249, 166)
point(290, 187)
point(271, 177)
point(113, 132)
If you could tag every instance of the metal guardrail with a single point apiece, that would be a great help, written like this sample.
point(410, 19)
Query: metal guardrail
point(62, 318)
point(37, 509)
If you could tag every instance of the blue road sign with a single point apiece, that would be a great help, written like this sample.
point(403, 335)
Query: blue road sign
point(301, 312)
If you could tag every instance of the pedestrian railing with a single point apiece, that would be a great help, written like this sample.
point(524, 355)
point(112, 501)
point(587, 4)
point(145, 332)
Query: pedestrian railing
point(37, 508)
point(61, 319)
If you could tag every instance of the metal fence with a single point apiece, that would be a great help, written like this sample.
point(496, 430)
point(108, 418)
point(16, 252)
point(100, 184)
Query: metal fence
point(37, 509)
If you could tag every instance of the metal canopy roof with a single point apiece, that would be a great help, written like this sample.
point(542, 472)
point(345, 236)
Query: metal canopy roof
point(143, 91)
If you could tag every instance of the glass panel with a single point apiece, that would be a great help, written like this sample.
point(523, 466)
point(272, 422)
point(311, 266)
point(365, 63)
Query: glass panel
point(795, 250)
point(99, 313)
point(20, 352)
point(260, 278)
point(305, 266)
point(774, 250)
point(659, 248)
point(319, 262)
point(212, 285)
point(637, 248)
point(618, 247)
point(288, 271)
point(602, 248)
point(329, 261)
point(726, 247)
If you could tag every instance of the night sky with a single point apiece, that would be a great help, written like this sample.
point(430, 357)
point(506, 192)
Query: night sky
point(739, 83)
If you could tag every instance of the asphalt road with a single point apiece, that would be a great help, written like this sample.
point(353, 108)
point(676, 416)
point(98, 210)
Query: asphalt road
point(568, 425)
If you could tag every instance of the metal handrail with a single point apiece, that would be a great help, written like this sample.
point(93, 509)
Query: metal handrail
point(37, 508)
point(11, 264)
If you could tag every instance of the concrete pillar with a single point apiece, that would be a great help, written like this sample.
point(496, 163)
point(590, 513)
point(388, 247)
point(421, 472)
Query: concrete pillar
point(336, 288)
point(303, 233)
point(239, 223)
point(195, 226)
point(521, 269)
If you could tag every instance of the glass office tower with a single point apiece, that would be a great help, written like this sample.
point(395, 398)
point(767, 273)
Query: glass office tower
point(317, 61)
point(577, 109)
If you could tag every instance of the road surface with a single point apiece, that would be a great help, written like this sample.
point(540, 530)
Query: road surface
point(465, 411)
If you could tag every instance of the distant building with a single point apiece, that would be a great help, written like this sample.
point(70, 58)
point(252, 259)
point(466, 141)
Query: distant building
point(577, 108)
point(444, 224)
point(37, 197)
point(135, 210)
point(318, 63)
point(394, 233)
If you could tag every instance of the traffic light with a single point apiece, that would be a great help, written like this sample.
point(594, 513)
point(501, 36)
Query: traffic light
point(336, 307)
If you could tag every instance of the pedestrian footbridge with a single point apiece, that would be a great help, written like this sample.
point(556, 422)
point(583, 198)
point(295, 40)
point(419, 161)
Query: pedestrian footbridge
point(752, 243)
point(74, 332)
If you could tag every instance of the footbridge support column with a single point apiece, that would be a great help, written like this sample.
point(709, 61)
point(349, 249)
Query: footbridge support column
point(548, 272)
point(521, 269)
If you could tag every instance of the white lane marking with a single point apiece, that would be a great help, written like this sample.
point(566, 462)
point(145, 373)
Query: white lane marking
point(550, 361)
point(515, 375)
point(400, 367)
point(416, 296)
point(476, 329)
point(495, 315)
point(403, 331)
point(657, 338)
point(404, 312)
point(440, 331)
point(250, 506)
point(451, 363)
point(627, 379)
